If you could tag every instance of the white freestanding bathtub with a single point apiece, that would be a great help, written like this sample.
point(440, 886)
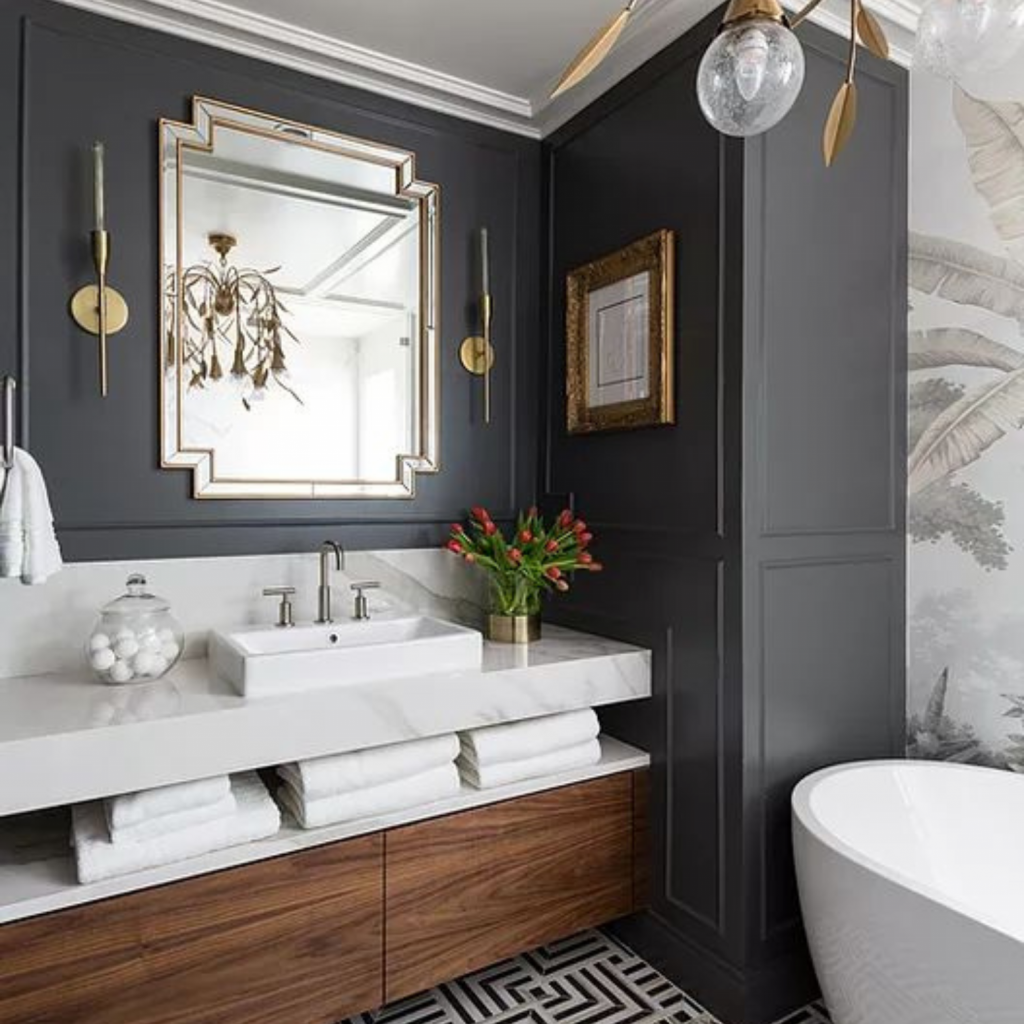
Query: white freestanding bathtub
point(911, 877)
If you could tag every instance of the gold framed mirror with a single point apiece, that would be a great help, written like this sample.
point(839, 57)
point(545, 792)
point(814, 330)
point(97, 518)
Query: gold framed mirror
point(299, 309)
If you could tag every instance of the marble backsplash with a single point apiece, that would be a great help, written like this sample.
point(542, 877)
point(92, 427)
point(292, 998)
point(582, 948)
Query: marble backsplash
point(42, 629)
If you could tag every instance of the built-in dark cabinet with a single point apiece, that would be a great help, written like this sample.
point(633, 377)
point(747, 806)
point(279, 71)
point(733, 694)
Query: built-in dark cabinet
point(757, 546)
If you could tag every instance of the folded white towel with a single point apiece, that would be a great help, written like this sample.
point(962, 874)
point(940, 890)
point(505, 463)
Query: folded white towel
point(426, 788)
point(487, 776)
point(360, 769)
point(132, 808)
point(97, 858)
point(164, 824)
point(516, 741)
point(28, 543)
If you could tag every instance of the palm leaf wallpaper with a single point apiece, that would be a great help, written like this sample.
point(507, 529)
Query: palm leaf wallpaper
point(966, 417)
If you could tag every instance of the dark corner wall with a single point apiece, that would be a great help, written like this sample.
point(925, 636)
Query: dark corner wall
point(67, 78)
point(757, 546)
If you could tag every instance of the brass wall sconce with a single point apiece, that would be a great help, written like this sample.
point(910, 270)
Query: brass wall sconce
point(476, 352)
point(109, 315)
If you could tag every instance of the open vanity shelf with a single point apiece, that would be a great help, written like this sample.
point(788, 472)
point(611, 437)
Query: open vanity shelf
point(37, 874)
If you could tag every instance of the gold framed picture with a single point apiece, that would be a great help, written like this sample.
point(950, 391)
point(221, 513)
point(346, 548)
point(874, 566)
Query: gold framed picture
point(620, 337)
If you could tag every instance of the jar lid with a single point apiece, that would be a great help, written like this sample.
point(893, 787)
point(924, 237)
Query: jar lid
point(138, 601)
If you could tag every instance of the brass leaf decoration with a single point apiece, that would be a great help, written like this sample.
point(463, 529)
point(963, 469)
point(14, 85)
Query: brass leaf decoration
point(841, 120)
point(871, 33)
point(593, 53)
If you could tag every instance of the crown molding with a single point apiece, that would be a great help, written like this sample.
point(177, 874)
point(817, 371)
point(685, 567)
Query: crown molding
point(655, 24)
point(228, 27)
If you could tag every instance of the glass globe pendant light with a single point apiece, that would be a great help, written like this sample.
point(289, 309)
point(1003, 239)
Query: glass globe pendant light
point(752, 73)
point(957, 38)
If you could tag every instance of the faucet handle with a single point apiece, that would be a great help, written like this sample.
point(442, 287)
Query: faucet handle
point(285, 617)
point(362, 607)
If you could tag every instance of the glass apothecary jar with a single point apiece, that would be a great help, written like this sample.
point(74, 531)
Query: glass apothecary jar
point(136, 638)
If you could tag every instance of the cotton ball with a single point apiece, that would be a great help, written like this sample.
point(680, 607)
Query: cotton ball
point(124, 633)
point(99, 641)
point(145, 663)
point(167, 635)
point(170, 651)
point(102, 659)
point(121, 672)
point(126, 648)
point(150, 642)
point(160, 665)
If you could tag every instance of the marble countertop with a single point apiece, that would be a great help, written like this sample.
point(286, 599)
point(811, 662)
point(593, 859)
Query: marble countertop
point(68, 738)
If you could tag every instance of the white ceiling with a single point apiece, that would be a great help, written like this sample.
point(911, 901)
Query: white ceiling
point(485, 60)
point(517, 46)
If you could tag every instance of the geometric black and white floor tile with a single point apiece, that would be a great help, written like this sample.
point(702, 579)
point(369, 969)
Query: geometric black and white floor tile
point(588, 979)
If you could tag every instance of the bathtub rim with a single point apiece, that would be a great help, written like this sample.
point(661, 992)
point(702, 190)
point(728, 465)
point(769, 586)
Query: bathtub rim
point(804, 817)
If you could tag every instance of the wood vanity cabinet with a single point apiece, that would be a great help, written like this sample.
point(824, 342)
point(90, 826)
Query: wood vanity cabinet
point(293, 940)
point(470, 889)
point(311, 937)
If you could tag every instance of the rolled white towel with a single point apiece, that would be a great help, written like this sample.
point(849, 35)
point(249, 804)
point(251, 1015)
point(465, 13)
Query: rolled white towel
point(487, 776)
point(97, 858)
point(131, 808)
point(517, 741)
point(164, 824)
point(360, 769)
point(426, 788)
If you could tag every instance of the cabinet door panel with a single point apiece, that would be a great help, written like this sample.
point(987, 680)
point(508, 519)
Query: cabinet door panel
point(296, 939)
point(470, 889)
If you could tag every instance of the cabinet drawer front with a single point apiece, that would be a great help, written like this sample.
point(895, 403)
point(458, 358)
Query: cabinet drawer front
point(297, 939)
point(470, 889)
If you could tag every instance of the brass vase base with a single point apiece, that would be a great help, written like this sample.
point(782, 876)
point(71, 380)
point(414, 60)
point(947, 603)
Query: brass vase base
point(513, 629)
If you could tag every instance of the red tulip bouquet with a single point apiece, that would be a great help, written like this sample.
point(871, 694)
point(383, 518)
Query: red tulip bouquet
point(539, 558)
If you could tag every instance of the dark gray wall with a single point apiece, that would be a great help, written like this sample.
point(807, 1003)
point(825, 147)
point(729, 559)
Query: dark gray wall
point(69, 78)
point(757, 546)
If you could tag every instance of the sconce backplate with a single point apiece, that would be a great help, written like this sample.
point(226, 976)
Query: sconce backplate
point(85, 309)
point(471, 355)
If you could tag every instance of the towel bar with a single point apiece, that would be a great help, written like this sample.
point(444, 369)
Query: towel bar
point(9, 387)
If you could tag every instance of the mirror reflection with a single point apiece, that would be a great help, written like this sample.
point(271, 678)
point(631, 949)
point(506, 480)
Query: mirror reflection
point(299, 310)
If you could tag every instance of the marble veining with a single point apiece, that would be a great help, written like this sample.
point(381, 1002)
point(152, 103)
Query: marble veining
point(45, 628)
point(68, 738)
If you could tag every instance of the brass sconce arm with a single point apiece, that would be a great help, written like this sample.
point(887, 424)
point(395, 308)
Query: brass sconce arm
point(97, 308)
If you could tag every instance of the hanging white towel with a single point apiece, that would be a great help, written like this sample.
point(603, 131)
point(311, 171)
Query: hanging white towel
point(516, 741)
point(132, 808)
point(487, 776)
point(28, 543)
point(426, 788)
point(361, 769)
point(164, 824)
point(97, 858)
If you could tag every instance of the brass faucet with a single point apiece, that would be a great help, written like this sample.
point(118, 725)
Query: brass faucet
point(324, 590)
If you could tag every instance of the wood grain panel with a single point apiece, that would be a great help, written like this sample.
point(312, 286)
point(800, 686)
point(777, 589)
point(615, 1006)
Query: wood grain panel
point(641, 840)
point(470, 889)
point(294, 940)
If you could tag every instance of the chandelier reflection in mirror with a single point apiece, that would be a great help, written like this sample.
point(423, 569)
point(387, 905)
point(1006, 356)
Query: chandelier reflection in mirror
point(300, 310)
point(237, 311)
point(753, 71)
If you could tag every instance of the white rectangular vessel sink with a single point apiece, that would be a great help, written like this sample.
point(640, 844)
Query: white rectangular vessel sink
point(267, 661)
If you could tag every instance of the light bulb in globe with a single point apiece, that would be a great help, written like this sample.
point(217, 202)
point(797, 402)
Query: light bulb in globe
point(750, 76)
